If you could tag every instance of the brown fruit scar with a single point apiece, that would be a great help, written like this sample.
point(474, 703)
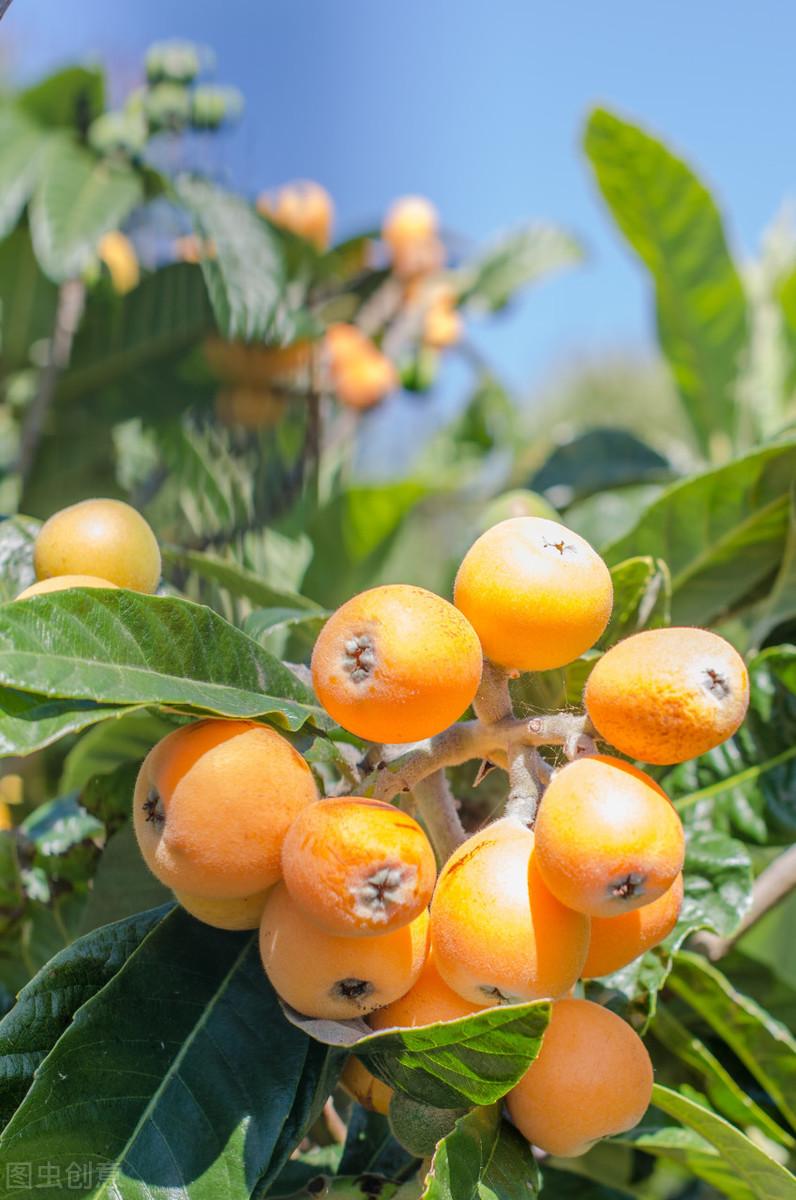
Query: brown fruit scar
point(494, 993)
point(360, 657)
point(351, 989)
point(717, 684)
point(153, 807)
point(383, 890)
point(629, 887)
point(561, 547)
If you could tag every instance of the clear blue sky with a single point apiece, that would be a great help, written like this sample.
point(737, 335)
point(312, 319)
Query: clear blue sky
point(479, 106)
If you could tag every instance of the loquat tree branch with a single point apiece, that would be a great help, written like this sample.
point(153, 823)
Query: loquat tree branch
point(771, 886)
point(440, 814)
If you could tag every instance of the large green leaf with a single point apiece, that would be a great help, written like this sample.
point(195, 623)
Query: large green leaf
point(77, 199)
point(27, 298)
point(29, 721)
point(722, 533)
point(123, 335)
point(671, 221)
point(122, 884)
point(642, 598)
point(205, 1088)
point(748, 784)
point(484, 1158)
point(474, 1060)
point(71, 98)
point(688, 1150)
point(765, 1047)
point(519, 259)
point(21, 146)
point(724, 1093)
point(46, 1005)
point(246, 277)
point(596, 460)
point(767, 1179)
point(125, 739)
point(124, 648)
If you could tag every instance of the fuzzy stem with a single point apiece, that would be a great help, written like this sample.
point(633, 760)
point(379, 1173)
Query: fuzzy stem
point(524, 790)
point(439, 813)
point(492, 701)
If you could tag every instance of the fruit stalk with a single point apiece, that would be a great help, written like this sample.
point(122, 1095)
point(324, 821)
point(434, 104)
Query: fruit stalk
point(439, 812)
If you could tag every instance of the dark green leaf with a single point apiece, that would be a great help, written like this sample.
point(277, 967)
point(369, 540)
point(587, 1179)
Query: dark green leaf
point(27, 299)
point(519, 259)
point(595, 461)
point(246, 277)
point(484, 1158)
point(123, 885)
point(765, 1047)
point(188, 1034)
point(474, 1060)
point(748, 784)
point(130, 649)
point(722, 533)
point(77, 199)
point(671, 221)
point(29, 721)
point(560, 1185)
point(370, 1147)
point(47, 1004)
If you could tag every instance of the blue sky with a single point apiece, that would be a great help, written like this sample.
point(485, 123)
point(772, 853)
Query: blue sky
point(479, 106)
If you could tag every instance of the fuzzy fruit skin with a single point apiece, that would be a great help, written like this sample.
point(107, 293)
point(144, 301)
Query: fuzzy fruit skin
point(336, 978)
point(372, 1093)
point(357, 866)
point(305, 208)
point(365, 379)
point(617, 941)
point(409, 220)
point(667, 695)
point(104, 538)
point(228, 791)
point(591, 1079)
point(421, 664)
point(244, 912)
point(499, 934)
point(608, 840)
point(429, 1000)
point(536, 593)
point(62, 583)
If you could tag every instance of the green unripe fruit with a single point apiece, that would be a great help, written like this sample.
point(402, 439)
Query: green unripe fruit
point(418, 1127)
point(211, 106)
point(168, 106)
point(118, 133)
point(174, 62)
point(518, 503)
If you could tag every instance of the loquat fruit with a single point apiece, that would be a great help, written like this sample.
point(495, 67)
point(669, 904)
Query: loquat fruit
point(666, 695)
point(104, 538)
point(357, 866)
point(536, 593)
point(608, 840)
point(240, 912)
point(62, 583)
point(591, 1079)
point(213, 802)
point(325, 976)
point(396, 664)
point(500, 936)
point(428, 1000)
point(364, 1087)
point(617, 941)
point(305, 208)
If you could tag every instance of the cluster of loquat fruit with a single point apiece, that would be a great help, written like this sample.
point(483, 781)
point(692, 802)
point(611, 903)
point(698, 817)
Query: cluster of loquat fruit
point(354, 917)
point(257, 381)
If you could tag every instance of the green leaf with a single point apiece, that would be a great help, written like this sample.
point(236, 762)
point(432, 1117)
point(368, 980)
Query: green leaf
point(484, 1158)
point(237, 580)
point(27, 298)
point(70, 98)
point(671, 221)
point(246, 278)
point(122, 884)
point(689, 1151)
point(276, 628)
point(370, 1146)
point(21, 148)
point(121, 336)
point(519, 259)
point(779, 606)
point(57, 825)
point(642, 598)
point(125, 739)
point(129, 649)
point(766, 1178)
point(30, 722)
point(722, 533)
point(77, 199)
point(17, 535)
point(473, 1060)
point(765, 1047)
point(561, 1185)
point(748, 784)
point(595, 461)
point(46, 1006)
point(726, 1096)
point(187, 1034)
